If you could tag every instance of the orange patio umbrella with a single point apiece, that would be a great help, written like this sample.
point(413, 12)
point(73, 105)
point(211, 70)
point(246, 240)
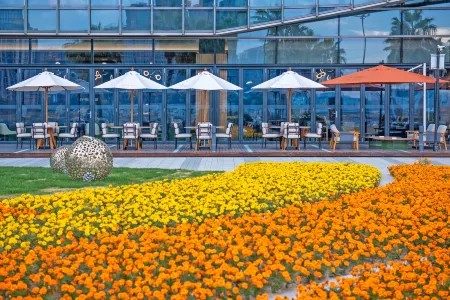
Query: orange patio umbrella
point(381, 75)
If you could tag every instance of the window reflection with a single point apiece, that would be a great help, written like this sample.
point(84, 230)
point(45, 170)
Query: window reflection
point(12, 3)
point(73, 3)
point(229, 102)
point(136, 20)
point(371, 50)
point(276, 101)
point(199, 3)
point(323, 51)
point(299, 2)
point(104, 3)
point(161, 16)
point(370, 23)
point(59, 51)
point(42, 3)
point(199, 20)
point(264, 3)
point(399, 110)
point(123, 51)
point(11, 20)
point(253, 105)
point(73, 20)
point(104, 98)
point(374, 121)
point(152, 99)
point(32, 101)
point(226, 19)
point(258, 16)
point(176, 102)
point(105, 20)
point(8, 105)
point(176, 51)
point(14, 51)
point(57, 101)
point(79, 100)
point(167, 3)
point(291, 13)
point(325, 98)
point(251, 51)
point(41, 20)
point(135, 3)
point(232, 3)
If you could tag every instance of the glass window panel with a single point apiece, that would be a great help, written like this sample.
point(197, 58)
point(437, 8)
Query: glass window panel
point(253, 104)
point(160, 20)
point(399, 110)
point(60, 51)
point(363, 2)
point(73, 20)
point(291, 13)
point(79, 100)
point(229, 102)
point(176, 102)
point(276, 102)
point(57, 101)
point(42, 3)
point(323, 27)
point(198, 20)
point(152, 99)
point(350, 108)
point(371, 23)
point(12, 3)
point(176, 51)
point(418, 106)
point(374, 122)
point(41, 20)
point(325, 99)
point(105, 20)
point(299, 2)
point(231, 3)
point(199, 3)
point(264, 3)
point(334, 2)
point(167, 3)
point(8, 107)
point(258, 16)
point(73, 3)
point(32, 101)
point(251, 51)
point(14, 51)
point(308, 51)
point(123, 51)
point(11, 20)
point(426, 22)
point(104, 3)
point(136, 20)
point(301, 107)
point(419, 50)
point(369, 51)
point(226, 19)
point(135, 3)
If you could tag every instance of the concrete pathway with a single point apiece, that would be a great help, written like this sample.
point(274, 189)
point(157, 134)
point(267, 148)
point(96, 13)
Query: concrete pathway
point(228, 163)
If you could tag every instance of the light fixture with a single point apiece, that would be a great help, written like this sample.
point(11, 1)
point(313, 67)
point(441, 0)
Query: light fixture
point(249, 82)
point(57, 63)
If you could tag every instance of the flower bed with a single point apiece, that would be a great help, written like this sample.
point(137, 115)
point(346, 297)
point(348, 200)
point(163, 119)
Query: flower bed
point(388, 238)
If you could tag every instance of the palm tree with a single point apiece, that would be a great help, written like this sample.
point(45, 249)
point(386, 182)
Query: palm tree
point(413, 24)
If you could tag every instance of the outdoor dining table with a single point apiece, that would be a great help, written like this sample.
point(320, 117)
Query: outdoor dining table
point(51, 132)
point(125, 141)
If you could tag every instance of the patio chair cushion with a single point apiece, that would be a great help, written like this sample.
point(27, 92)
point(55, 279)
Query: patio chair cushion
point(111, 135)
point(442, 129)
point(430, 128)
point(271, 135)
point(424, 138)
point(149, 136)
point(24, 135)
point(204, 137)
point(223, 135)
point(183, 135)
point(66, 135)
point(41, 136)
point(313, 135)
point(291, 136)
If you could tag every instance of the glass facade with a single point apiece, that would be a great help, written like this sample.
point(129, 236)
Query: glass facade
point(92, 41)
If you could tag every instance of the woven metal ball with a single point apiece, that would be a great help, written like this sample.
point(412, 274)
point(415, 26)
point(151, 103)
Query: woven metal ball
point(58, 160)
point(89, 159)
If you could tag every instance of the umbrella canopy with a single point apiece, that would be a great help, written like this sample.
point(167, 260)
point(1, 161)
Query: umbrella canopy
point(45, 81)
point(132, 81)
point(289, 80)
point(205, 81)
point(380, 75)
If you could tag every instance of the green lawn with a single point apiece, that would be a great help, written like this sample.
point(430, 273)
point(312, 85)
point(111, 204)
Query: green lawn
point(33, 180)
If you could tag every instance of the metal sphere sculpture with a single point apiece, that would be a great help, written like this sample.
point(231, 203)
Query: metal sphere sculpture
point(58, 160)
point(89, 159)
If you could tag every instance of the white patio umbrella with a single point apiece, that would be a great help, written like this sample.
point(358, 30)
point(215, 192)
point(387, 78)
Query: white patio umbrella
point(289, 80)
point(205, 81)
point(47, 82)
point(132, 81)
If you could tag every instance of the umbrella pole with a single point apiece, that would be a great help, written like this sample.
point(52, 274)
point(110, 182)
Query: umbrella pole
point(204, 106)
point(46, 104)
point(289, 104)
point(132, 105)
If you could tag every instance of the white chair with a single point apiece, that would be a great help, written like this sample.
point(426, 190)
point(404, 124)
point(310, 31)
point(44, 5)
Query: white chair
point(130, 132)
point(291, 132)
point(428, 132)
point(179, 135)
point(21, 134)
point(227, 135)
point(5, 131)
point(72, 134)
point(266, 135)
point(54, 127)
point(337, 137)
point(106, 134)
point(204, 133)
point(39, 131)
point(153, 135)
point(442, 130)
point(317, 135)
